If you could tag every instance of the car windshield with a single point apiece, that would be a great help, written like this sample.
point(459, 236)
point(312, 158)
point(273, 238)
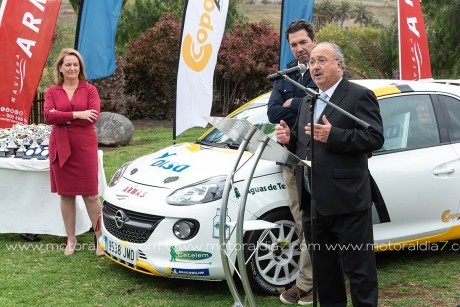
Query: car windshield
point(256, 114)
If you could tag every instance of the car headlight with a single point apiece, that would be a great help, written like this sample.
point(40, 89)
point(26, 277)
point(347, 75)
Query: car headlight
point(118, 174)
point(201, 192)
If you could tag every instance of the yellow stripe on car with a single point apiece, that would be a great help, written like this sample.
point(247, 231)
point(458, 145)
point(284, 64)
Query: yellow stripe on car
point(386, 90)
point(452, 234)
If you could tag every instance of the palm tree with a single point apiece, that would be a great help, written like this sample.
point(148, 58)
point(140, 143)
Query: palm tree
point(362, 14)
point(325, 12)
point(343, 12)
point(374, 22)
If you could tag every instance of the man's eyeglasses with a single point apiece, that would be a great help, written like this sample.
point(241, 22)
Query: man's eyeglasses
point(320, 61)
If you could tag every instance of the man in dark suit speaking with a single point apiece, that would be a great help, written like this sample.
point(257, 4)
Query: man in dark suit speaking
point(344, 234)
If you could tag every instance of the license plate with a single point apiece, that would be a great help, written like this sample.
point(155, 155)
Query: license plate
point(120, 250)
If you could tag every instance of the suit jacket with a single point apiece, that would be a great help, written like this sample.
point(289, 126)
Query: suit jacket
point(284, 90)
point(342, 178)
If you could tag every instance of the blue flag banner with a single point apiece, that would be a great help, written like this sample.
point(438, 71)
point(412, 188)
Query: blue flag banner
point(98, 23)
point(290, 10)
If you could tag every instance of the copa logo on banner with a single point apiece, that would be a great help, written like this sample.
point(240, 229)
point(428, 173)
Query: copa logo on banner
point(203, 28)
point(26, 30)
point(197, 52)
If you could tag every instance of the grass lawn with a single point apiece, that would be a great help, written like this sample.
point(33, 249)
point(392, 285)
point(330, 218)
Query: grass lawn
point(37, 274)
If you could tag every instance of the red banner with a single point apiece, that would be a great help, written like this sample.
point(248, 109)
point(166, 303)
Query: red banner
point(26, 30)
point(414, 55)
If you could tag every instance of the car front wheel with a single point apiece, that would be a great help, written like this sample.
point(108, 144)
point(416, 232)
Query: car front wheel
point(273, 254)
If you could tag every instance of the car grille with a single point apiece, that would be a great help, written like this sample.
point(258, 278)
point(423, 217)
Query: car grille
point(138, 227)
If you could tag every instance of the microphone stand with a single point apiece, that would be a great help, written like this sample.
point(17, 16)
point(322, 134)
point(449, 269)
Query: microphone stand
point(314, 97)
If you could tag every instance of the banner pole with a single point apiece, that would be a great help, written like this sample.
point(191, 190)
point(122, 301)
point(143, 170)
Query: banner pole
point(178, 61)
point(77, 31)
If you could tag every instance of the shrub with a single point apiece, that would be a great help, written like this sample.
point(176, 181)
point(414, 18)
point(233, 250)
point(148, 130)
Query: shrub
point(150, 71)
point(367, 52)
point(111, 90)
point(331, 33)
point(245, 59)
point(137, 17)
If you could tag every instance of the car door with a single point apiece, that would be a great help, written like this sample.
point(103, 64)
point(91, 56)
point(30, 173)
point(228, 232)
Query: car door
point(451, 109)
point(412, 170)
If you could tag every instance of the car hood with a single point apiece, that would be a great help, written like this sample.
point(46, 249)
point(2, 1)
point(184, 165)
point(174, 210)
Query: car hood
point(184, 164)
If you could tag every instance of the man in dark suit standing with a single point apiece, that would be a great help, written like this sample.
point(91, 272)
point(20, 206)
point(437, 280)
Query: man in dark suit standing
point(344, 233)
point(283, 104)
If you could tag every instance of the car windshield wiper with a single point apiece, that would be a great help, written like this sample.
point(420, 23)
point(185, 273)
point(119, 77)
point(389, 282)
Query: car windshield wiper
point(201, 142)
point(230, 145)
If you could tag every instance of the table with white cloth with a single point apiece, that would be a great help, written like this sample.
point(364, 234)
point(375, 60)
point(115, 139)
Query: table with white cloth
point(27, 204)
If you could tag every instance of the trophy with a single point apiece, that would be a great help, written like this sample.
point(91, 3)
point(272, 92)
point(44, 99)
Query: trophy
point(29, 153)
point(11, 146)
point(34, 138)
point(22, 149)
point(46, 136)
point(44, 152)
point(37, 136)
point(3, 150)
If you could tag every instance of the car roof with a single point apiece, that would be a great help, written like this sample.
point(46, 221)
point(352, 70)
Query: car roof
point(383, 87)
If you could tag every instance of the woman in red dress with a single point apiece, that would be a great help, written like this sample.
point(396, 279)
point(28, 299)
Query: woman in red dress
point(72, 106)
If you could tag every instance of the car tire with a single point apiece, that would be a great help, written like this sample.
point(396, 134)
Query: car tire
point(274, 266)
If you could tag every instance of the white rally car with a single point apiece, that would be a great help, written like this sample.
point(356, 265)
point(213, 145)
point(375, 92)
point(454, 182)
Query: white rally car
point(161, 212)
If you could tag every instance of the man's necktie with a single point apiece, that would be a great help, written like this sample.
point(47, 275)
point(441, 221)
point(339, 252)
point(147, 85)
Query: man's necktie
point(320, 105)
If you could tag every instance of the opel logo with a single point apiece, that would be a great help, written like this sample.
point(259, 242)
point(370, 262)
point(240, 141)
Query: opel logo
point(120, 219)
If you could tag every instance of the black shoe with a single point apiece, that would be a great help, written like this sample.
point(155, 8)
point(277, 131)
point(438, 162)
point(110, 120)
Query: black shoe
point(30, 237)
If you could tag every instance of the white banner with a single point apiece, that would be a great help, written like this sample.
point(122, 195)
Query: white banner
point(203, 28)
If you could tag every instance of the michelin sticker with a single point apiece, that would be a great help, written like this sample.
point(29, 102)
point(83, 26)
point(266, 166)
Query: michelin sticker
point(195, 272)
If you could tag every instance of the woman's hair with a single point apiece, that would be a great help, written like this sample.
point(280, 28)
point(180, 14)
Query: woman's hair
point(58, 77)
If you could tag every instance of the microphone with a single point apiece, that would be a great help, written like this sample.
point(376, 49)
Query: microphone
point(278, 75)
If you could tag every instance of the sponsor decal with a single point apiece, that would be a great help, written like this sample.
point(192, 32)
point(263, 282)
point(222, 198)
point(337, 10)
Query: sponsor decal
point(164, 163)
point(188, 256)
point(134, 191)
point(216, 225)
point(193, 255)
point(447, 216)
point(197, 49)
point(270, 187)
point(180, 271)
